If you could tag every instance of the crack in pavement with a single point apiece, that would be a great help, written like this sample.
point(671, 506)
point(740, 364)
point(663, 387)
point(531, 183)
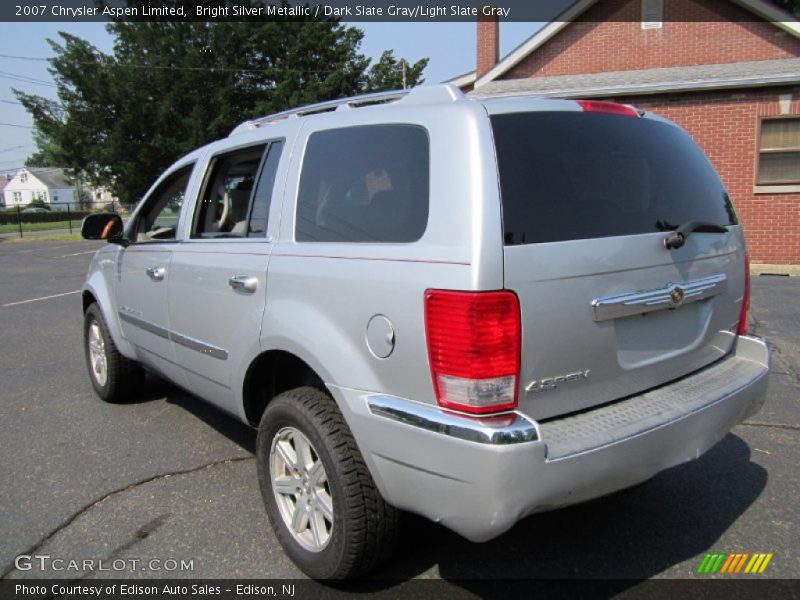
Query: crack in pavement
point(10, 568)
point(773, 425)
point(791, 371)
point(141, 534)
point(777, 352)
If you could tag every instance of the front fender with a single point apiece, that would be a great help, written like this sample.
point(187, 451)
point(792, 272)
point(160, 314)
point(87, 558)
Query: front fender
point(97, 285)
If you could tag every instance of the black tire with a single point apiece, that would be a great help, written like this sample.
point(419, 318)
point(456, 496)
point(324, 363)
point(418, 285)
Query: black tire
point(363, 532)
point(124, 377)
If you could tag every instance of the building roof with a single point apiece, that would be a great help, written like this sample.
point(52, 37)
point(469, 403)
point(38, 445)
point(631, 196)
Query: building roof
point(52, 177)
point(651, 81)
point(762, 8)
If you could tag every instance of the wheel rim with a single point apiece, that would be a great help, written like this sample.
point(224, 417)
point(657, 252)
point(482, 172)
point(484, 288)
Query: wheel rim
point(300, 486)
point(97, 354)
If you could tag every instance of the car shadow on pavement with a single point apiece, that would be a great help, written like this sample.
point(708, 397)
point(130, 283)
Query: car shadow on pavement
point(630, 535)
point(159, 389)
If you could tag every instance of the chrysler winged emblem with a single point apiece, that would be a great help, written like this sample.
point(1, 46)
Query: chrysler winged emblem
point(672, 295)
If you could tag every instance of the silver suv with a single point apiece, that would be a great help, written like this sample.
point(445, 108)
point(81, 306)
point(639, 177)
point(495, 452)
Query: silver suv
point(470, 309)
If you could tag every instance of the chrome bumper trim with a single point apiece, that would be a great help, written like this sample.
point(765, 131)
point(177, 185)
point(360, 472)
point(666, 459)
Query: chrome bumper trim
point(499, 430)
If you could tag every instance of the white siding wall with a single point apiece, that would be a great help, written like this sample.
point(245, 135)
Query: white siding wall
point(59, 199)
point(24, 188)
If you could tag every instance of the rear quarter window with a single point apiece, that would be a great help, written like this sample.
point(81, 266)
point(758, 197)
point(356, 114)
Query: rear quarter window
point(364, 184)
point(576, 175)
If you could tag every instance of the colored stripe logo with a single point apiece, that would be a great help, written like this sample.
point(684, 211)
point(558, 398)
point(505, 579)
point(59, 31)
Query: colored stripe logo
point(734, 563)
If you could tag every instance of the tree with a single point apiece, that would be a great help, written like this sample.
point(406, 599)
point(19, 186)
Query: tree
point(47, 151)
point(387, 73)
point(170, 87)
point(792, 6)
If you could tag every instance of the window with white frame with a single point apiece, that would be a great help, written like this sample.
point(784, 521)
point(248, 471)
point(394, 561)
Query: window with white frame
point(17, 197)
point(23, 177)
point(652, 14)
point(779, 151)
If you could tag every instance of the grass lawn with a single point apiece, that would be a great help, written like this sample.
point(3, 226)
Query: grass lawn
point(55, 237)
point(14, 228)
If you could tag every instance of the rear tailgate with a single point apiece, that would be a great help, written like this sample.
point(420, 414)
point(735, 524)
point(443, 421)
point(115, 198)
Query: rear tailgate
point(607, 310)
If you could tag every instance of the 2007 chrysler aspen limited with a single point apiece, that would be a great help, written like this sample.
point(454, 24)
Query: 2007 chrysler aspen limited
point(472, 310)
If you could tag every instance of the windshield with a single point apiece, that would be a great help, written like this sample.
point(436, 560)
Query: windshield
point(576, 175)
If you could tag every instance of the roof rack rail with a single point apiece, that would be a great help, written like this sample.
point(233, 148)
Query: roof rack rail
point(420, 95)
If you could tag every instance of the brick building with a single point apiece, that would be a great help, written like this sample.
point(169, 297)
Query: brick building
point(728, 71)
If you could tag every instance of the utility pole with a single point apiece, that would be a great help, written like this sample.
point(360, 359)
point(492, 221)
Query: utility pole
point(78, 190)
point(403, 63)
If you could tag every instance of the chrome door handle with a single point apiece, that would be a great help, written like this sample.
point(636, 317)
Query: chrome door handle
point(244, 283)
point(156, 273)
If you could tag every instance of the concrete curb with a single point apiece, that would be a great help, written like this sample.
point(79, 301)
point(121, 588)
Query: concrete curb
point(765, 269)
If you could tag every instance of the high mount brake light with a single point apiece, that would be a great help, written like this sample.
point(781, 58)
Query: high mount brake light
point(474, 349)
point(610, 108)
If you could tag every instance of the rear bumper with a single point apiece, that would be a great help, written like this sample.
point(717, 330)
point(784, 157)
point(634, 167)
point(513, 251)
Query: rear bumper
point(479, 477)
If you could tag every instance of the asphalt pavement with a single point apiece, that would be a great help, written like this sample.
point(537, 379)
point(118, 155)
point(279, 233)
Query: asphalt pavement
point(168, 478)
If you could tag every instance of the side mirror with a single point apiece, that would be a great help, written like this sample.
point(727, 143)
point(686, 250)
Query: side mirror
point(104, 226)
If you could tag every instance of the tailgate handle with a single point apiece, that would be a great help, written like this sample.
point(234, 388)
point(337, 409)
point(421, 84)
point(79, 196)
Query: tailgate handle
point(670, 296)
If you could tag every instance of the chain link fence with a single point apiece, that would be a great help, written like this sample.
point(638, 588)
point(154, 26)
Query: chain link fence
point(21, 221)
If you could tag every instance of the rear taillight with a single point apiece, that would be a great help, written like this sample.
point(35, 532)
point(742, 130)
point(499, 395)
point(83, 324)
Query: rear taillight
point(473, 349)
point(742, 330)
point(611, 108)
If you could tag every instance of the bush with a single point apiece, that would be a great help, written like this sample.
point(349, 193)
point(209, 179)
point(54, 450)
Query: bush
point(12, 217)
point(37, 203)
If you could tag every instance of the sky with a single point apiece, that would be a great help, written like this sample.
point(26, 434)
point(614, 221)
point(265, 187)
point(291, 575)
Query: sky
point(450, 47)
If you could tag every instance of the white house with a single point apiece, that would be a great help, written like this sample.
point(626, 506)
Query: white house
point(51, 185)
point(100, 197)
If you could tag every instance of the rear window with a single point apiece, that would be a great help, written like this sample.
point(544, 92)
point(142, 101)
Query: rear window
point(574, 175)
point(364, 184)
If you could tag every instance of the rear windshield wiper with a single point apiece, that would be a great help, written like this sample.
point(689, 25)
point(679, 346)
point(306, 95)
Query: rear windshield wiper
point(677, 238)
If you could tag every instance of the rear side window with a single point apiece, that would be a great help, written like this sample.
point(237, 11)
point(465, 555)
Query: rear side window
point(573, 175)
point(364, 184)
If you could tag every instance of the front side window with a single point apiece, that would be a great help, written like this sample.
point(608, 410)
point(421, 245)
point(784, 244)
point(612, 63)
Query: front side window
point(779, 152)
point(237, 194)
point(364, 184)
point(158, 220)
